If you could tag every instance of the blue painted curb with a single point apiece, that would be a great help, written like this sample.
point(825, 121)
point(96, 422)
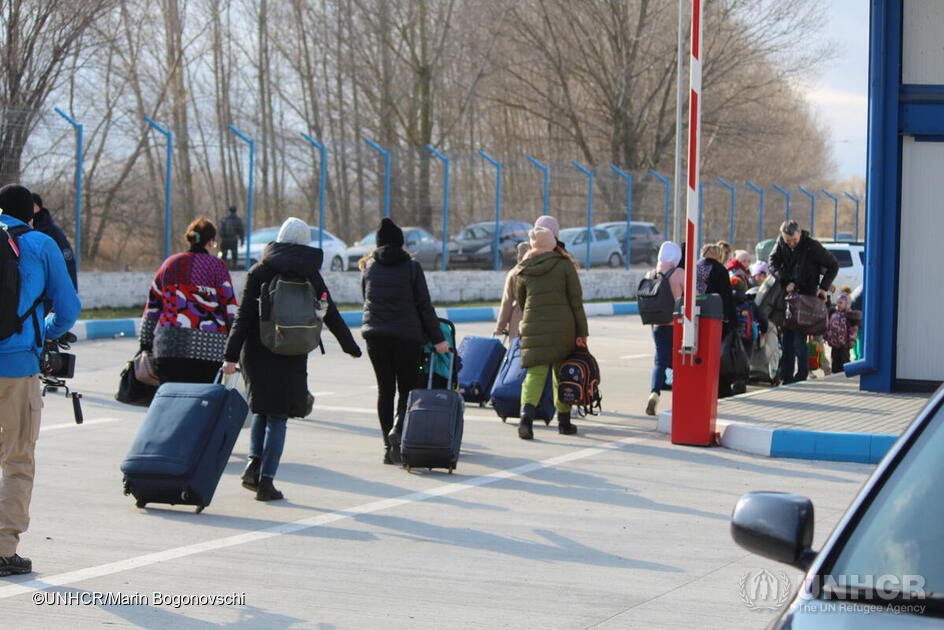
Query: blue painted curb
point(863, 448)
point(105, 328)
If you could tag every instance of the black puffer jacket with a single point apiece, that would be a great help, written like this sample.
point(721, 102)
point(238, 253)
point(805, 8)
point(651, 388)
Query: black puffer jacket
point(396, 299)
point(278, 384)
point(803, 265)
point(43, 222)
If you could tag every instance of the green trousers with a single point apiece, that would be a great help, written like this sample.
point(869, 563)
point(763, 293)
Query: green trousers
point(533, 386)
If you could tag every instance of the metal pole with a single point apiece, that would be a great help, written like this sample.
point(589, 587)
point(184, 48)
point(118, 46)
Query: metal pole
point(786, 193)
point(835, 213)
point(496, 247)
point(589, 175)
point(79, 158)
point(760, 214)
point(167, 183)
point(322, 181)
point(812, 209)
point(445, 208)
point(856, 200)
point(689, 326)
point(249, 191)
point(627, 239)
point(386, 156)
point(547, 180)
point(679, 91)
point(733, 190)
point(667, 184)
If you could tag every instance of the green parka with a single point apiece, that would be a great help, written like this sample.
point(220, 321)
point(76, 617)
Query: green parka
point(548, 288)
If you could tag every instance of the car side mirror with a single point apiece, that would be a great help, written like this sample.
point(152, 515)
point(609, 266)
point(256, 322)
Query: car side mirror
point(775, 525)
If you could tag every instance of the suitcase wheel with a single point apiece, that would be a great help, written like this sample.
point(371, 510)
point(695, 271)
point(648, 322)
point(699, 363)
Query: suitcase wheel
point(199, 509)
point(409, 469)
point(185, 496)
point(140, 504)
point(481, 403)
point(504, 419)
point(547, 422)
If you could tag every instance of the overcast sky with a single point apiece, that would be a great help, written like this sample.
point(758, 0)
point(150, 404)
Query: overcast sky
point(840, 96)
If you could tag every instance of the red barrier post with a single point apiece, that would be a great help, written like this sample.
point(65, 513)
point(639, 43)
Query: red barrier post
point(695, 376)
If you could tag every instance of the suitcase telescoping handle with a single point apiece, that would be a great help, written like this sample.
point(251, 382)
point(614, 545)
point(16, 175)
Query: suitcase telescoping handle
point(230, 381)
point(452, 360)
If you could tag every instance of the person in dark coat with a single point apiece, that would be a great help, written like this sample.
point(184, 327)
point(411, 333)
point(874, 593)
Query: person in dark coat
point(277, 384)
point(800, 264)
point(232, 234)
point(398, 319)
point(712, 277)
point(43, 221)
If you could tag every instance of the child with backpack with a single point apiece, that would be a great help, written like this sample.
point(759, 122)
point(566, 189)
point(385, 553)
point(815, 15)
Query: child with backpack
point(842, 331)
point(666, 284)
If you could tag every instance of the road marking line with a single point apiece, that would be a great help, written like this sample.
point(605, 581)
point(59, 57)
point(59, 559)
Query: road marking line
point(66, 425)
point(110, 568)
point(637, 356)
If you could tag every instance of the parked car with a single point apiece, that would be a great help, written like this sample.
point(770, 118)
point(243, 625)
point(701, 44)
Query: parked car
point(473, 246)
point(645, 239)
point(335, 250)
point(883, 564)
point(851, 259)
point(424, 248)
point(604, 249)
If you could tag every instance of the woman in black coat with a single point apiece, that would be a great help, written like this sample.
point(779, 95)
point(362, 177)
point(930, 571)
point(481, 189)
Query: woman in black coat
point(398, 319)
point(277, 384)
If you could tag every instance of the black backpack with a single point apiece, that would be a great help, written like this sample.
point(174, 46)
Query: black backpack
point(11, 322)
point(654, 298)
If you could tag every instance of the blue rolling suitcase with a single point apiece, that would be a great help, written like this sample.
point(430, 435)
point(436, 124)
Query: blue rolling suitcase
point(506, 392)
point(432, 428)
point(184, 443)
point(481, 358)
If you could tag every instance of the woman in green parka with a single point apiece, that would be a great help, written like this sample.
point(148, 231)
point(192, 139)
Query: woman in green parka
point(553, 322)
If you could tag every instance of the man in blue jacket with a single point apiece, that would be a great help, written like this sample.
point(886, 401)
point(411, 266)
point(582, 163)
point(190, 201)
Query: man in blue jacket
point(42, 272)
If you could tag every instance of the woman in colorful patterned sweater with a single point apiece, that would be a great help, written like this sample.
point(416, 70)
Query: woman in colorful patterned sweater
point(190, 308)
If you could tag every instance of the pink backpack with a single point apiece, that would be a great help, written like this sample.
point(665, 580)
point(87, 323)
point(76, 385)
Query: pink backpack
point(839, 334)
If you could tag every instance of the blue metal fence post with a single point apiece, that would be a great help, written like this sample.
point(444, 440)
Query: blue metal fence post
point(835, 213)
point(627, 239)
point(386, 156)
point(856, 200)
point(445, 208)
point(760, 214)
point(733, 190)
point(786, 194)
point(249, 191)
point(167, 182)
point(812, 209)
point(589, 175)
point(322, 181)
point(547, 180)
point(79, 157)
point(496, 249)
point(668, 186)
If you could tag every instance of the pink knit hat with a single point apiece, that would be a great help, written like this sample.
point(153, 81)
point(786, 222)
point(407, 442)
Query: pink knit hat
point(550, 223)
point(542, 240)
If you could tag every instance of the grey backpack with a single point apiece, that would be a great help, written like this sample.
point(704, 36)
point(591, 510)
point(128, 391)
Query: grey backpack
point(290, 316)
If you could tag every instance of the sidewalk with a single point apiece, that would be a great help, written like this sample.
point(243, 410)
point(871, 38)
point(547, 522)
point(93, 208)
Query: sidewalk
point(824, 419)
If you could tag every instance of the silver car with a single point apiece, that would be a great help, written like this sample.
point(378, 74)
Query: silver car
point(425, 249)
point(604, 249)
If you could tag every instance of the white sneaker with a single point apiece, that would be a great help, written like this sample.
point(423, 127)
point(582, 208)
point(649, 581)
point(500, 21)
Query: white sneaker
point(652, 404)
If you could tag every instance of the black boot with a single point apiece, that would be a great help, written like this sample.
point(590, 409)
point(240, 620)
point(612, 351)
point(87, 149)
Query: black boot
point(251, 474)
point(267, 491)
point(393, 447)
point(525, 429)
point(564, 426)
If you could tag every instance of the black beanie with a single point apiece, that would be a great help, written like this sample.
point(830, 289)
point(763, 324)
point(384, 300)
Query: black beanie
point(17, 201)
point(38, 200)
point(389, 234)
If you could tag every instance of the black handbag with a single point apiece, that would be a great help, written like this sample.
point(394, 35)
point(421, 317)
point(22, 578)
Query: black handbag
point(735, 364)
point(131, 391)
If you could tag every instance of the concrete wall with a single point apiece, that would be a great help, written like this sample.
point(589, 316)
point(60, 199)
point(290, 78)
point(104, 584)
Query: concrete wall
point(123, 289)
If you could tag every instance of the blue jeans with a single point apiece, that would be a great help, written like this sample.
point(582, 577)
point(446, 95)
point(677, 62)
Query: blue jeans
point(662, 335)
point(795, 355)
point(267, 440)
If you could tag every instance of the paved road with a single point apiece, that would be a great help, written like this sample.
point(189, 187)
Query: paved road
point(611, 528)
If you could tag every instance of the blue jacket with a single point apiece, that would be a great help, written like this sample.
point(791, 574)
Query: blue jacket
point(42, 271)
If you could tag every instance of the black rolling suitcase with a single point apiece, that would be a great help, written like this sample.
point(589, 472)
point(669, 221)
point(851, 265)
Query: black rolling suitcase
point(432, 429)
point(184, 443)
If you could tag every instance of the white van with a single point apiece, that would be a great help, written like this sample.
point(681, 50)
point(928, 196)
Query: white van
point(851, 259)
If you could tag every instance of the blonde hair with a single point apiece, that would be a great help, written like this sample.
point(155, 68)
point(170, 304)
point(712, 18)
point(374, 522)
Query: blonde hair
point(711, 251)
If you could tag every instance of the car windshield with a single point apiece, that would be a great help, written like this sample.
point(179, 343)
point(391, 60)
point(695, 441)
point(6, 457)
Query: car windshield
point(570, 234)
point(474, 232)
point(265, 235)
point(370, 239)
point(900, 537)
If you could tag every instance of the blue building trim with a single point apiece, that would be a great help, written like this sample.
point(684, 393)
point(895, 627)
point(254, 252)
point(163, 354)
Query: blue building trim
point(884, 185)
